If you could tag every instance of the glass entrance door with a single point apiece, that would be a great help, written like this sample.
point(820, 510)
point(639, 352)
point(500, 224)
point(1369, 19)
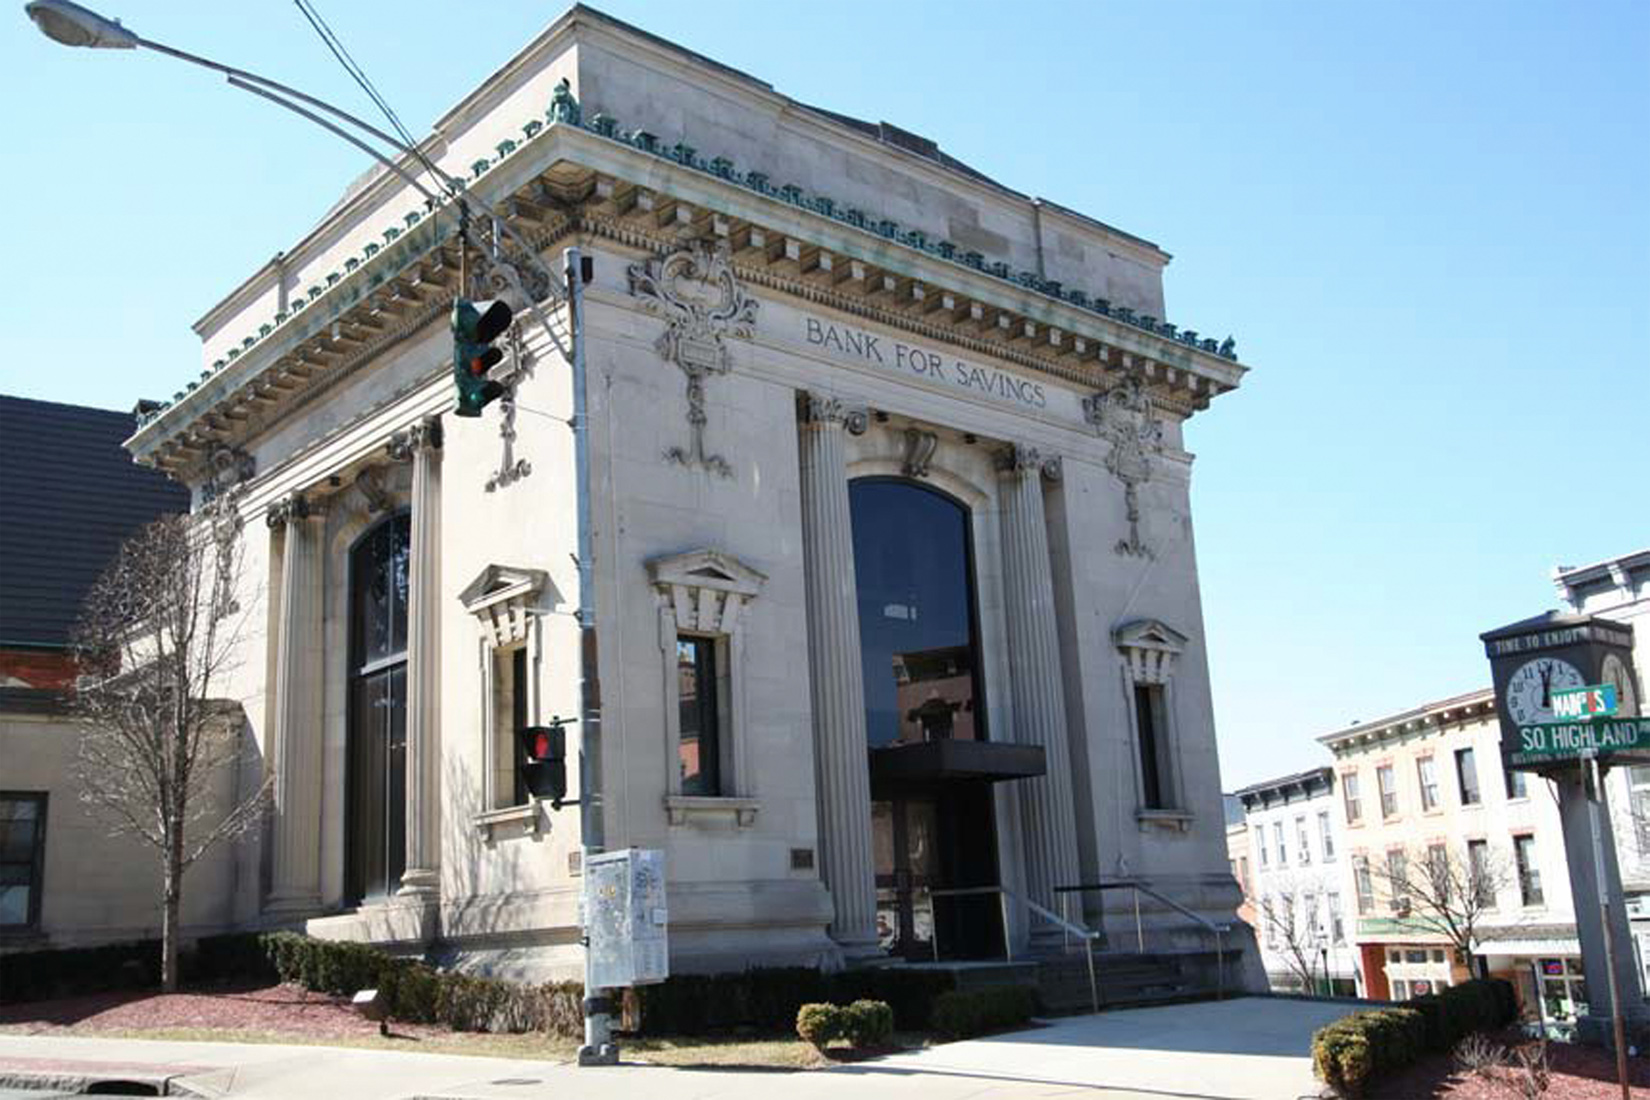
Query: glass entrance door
point(903, 836)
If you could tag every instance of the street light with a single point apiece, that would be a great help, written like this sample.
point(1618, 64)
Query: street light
point(72, 25)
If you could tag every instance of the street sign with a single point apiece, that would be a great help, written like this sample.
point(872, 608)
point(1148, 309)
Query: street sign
point(1593, 701)
point(1551, 741)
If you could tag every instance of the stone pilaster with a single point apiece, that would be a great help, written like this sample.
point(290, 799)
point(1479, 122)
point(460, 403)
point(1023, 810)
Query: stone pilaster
point(1046, 808)
point(421, 444)
point(296, 871)
point(842, 770)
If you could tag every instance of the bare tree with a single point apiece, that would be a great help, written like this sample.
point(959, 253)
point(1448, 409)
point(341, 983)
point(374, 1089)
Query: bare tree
point(1289, 916)
point(1446, 892)
point(157, 641)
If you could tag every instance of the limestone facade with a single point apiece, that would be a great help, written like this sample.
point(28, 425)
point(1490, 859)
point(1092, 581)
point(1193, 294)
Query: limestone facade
point(755, 349)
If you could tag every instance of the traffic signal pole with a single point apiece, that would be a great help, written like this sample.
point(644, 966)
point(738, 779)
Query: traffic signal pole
point(599, 1049)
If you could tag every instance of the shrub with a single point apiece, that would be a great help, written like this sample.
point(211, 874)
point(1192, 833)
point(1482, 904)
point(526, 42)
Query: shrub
point(1349, 1053)
point(768, 999)
point(963, 1013)
point(868, 1023)
point(37, 975)
point(818, 1024)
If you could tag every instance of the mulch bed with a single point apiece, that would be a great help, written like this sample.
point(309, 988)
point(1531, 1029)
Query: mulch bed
point(1578, 1073)
point(279, 1008)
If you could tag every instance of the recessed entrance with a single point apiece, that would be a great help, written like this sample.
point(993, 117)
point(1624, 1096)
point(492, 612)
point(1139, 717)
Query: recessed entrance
point(933, 821)
point(375, 840)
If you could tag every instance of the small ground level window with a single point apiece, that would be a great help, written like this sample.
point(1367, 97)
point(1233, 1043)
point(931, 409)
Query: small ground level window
point(22, 856)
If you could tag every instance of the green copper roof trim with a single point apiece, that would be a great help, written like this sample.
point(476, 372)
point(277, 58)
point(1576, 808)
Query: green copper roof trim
point(564, 109)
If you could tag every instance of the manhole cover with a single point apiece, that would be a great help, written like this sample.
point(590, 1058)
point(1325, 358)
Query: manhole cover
point(517, 1081)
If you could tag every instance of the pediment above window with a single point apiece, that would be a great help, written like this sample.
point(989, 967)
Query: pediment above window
point(707, 569)
point(1149, 648)
point(706, 587)
point(503, 598)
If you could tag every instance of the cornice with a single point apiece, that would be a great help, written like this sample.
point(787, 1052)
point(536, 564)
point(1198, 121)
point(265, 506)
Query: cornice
point(1432, 718)
point(570, 174)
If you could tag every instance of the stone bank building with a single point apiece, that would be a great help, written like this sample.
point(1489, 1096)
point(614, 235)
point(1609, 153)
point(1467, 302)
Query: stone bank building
point(893, 559)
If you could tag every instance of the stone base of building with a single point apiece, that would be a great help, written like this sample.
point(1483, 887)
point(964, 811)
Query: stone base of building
point(395, 924)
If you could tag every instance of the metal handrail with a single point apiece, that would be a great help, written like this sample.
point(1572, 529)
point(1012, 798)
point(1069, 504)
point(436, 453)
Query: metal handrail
point(1004, 895)
point(1139, 887)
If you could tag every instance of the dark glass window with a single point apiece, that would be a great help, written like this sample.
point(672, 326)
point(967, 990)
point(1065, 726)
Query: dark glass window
point(1466, 771)
point(375, 841)
point(22, 858)
point(518, 720)
point(1517, 785)
point(913, 563)
point(1529, 873)
point(1154, 751)
point(700, 747)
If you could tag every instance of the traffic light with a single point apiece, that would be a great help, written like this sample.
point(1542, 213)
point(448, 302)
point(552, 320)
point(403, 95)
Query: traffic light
point(475, 326)
point(545, 769)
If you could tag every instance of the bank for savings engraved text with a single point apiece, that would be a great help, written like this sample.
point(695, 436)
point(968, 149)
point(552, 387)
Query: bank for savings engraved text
point(921, 363)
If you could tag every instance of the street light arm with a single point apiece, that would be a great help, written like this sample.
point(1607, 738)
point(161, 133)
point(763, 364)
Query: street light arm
point(412, 181)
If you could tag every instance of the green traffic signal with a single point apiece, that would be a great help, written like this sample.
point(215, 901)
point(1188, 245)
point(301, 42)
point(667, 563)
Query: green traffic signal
point(475, 326)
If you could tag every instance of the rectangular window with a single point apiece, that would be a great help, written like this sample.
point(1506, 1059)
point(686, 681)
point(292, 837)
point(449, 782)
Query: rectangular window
point(1388, 783)
point(1397, 880)
point(1400, 990)
point(518, 720)
point(1301, 839)
point(1337, 924)
point(1638, 805)
point(1269, 920)
point(1517, 784)
point(1427, 772)
point(1466, 773)
point(22, 858)
point(1529, 875)
point(1361, 881)
point(1438, 870)
point(1243, 873)
point(1325, 836)
point(699, 753)
point(1282, 846)
point(1154, 746)
point(1311, 904)
point(1478, 871)
point(1349, 792)
point(1260, 842)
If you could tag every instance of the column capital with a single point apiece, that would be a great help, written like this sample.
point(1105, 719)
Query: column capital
point(1022, 459)
point(818, 410)
point(424, 435)
point(292, 509)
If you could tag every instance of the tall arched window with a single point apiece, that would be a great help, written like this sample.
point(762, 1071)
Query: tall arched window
point(375, 842)
point(913, 563)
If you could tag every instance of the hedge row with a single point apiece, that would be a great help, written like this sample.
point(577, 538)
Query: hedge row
point(863, 1023)
point(768, 999)
point(687, 1004)
point(962, 1013)
point(1351, 1052)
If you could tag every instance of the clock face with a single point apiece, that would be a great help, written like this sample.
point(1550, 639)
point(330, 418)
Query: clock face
point(1615, 672)
point(1529, 695)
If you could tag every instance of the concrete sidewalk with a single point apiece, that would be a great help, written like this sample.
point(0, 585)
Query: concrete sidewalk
point(1246, 1049)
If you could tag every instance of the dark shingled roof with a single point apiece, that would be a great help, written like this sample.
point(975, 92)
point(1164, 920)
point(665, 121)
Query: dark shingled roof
point(69, 494)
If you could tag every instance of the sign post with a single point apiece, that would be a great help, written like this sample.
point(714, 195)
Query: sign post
point(1567, 697)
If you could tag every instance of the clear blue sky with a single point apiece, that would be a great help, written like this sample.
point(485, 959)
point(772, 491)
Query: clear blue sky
point(1426, 223)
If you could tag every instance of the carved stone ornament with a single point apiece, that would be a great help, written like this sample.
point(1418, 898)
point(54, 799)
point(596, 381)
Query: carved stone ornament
point(695, 291)
point(919, 452)
point(414, 438)
point(1017, 458)
point(227, 469)
point(370, 484)
point(817, 410)
point(1123, 415)
point(292, 508)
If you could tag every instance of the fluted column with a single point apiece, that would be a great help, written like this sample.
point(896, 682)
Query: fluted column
point(421, 444)
point(1048, 819)
point(841, 760)
point(296, 865)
